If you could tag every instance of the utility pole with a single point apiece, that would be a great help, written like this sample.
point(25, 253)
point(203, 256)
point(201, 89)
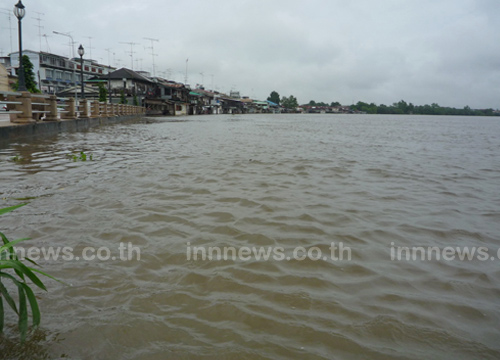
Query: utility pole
point(212, 75)
point(152, 51)
point(132, 52)
point(202, 78)
point(109, 72)
point(186, 77)
point(39, 27)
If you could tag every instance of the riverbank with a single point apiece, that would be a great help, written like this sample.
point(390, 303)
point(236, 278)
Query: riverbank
point(10, 131)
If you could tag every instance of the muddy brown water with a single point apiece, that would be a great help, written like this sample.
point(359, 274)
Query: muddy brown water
point(375, 184)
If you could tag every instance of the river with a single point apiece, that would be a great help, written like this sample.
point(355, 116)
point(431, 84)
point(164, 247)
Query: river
point(299, 186)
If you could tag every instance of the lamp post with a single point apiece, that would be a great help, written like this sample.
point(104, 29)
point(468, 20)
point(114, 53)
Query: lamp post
point(20, 12)
point(81, 51)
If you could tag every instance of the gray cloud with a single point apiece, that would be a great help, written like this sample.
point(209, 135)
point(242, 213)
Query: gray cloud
point(421, 51)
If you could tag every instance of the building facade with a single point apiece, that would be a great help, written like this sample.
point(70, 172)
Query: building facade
point(55, 73)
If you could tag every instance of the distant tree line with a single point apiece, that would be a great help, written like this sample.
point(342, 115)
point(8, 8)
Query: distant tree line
point(402, 107)
point(322, 104)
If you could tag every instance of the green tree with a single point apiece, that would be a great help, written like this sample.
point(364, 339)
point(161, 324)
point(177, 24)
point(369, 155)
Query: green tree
point(136, 103)
point(29, 76)
point(402, 107)
point(103, 93)
point(122, 98)
point(335, 103)
point(274, 97)
point(312, 103)
point(289, 102)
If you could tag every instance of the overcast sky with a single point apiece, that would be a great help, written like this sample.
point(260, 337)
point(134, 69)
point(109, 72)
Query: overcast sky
point(422, 51)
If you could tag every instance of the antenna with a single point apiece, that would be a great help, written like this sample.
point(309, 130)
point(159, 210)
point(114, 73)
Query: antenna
point(212, 75)
point(47, 42)
point(152, 51)
point(90, 45)
point(186, 77)
point(202, 78)
point(9, 14)
point(131, 53)
point(138, 64)
point(39, 27)
point(108, 50)
point(71, 43)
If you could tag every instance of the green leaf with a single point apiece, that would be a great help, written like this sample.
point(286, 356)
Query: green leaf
point(11, 208)
point(35, 310)
point(10, 244)
point(21, 270)
point(49, 276)
point(11, 250)
point(1, 315)
point(23, 313)
point(8, 298)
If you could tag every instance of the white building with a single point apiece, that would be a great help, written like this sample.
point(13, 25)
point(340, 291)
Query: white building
point(55, 73)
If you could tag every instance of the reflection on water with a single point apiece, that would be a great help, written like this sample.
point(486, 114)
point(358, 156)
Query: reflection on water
point(370, 182)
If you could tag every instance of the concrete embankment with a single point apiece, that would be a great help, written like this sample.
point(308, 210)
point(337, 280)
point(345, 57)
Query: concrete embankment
point(10, 131)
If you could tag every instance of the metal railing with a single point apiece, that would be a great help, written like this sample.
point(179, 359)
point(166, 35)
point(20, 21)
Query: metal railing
point(24, 107)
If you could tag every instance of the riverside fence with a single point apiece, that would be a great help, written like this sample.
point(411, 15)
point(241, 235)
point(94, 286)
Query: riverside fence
point(25, 108)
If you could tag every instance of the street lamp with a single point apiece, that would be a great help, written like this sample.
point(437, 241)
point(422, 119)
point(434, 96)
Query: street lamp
point(20, 12)
point(81, 51)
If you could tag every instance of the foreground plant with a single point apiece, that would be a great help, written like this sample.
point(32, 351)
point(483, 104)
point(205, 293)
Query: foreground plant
point(14, 270)
point(82, 157)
